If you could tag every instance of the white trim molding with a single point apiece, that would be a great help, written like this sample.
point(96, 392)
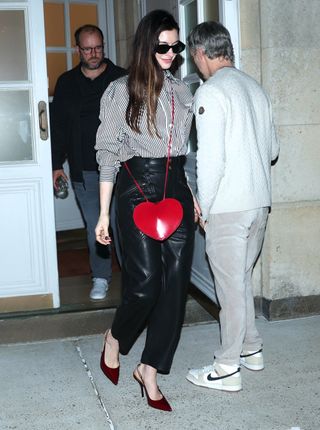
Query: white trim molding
point(230, 18)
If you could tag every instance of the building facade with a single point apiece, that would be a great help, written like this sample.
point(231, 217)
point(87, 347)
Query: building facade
point(278, 43)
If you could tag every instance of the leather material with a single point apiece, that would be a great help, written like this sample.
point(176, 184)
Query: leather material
point(158, 220)
point(155, 274)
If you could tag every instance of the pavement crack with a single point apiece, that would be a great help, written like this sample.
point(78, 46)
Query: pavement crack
point(94, 386)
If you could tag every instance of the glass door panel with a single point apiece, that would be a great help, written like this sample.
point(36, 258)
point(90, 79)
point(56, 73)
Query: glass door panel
point(54, 24)
point(81, 14)
point(57, 64)
point(15, 126)
point(211, 10)
point(15, 107)
point(14, 66)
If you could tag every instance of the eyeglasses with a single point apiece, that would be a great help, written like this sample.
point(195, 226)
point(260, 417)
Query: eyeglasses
point(89, 50)
point(163, 48)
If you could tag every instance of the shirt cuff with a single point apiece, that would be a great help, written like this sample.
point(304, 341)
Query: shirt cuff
point(108, 174)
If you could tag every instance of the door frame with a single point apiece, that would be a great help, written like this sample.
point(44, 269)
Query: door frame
point(201, 275)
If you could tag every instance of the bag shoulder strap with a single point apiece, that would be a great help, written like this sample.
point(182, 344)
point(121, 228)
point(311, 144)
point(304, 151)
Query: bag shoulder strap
point(135, 181)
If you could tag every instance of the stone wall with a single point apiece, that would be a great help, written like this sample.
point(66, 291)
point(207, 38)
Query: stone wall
point(280, 47)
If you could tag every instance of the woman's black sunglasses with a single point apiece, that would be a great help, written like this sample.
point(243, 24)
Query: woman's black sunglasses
point(163, 48)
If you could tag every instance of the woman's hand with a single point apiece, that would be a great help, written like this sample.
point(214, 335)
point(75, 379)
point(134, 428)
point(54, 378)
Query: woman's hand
point(102, 230)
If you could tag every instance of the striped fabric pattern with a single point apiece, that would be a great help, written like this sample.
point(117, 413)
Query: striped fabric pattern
point(116, 142)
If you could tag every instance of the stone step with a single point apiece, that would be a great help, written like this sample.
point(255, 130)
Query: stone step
point(57, 325)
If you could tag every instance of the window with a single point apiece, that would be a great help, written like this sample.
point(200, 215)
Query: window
point(193, 12)
point(62, 18)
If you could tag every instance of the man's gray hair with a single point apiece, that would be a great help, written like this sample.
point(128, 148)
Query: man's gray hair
point(213, 38)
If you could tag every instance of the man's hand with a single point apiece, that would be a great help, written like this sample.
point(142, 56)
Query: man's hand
point(55, 176)
point(202, 223)
point(197, 210)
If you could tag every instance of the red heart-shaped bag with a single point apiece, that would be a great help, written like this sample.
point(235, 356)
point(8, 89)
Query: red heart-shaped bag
point(158, 220)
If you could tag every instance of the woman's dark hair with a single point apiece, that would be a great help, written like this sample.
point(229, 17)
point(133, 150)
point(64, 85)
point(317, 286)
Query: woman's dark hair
point(145, 74)
point(213, 38)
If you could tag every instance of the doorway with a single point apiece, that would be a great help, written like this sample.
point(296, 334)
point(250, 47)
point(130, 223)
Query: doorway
point(62, 18)
point(74, 274)
point(191, 13)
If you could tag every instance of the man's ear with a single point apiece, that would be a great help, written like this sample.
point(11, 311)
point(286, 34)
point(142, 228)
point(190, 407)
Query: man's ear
point(201, 53)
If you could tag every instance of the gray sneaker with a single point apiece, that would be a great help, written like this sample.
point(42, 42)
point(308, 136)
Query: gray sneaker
point(99, 289)
point(215, 377)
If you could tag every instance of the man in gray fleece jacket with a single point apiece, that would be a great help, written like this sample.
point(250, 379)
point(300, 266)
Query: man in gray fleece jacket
point(236, 144)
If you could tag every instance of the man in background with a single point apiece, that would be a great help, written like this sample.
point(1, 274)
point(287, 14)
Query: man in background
point(236, 144)
point(74, 123)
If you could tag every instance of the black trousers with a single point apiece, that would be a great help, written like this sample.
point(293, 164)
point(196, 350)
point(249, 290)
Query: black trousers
point(155, 275)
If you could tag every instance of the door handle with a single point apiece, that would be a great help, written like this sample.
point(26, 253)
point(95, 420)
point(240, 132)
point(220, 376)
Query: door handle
point(43, 120)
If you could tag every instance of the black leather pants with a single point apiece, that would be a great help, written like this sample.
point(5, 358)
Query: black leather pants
point(155, 275)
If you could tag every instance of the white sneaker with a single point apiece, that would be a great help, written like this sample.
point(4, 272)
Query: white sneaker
point(216, 377)
point(252, 360)
point(99, 289)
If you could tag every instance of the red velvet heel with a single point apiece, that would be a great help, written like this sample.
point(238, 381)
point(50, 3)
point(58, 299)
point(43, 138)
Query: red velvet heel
point(110, 373)
point(161, 404)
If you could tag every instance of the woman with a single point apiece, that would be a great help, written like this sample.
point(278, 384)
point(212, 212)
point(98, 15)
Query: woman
point(136, 116)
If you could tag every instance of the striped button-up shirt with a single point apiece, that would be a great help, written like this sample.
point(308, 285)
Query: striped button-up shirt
point(117, 142)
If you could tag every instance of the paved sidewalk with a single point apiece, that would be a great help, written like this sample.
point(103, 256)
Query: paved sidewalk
point(57, 385)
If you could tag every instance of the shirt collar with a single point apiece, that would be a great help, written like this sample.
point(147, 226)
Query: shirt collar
point(168, 75)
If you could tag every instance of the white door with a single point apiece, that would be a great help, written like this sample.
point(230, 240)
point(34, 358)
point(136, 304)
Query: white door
point(28, 259)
